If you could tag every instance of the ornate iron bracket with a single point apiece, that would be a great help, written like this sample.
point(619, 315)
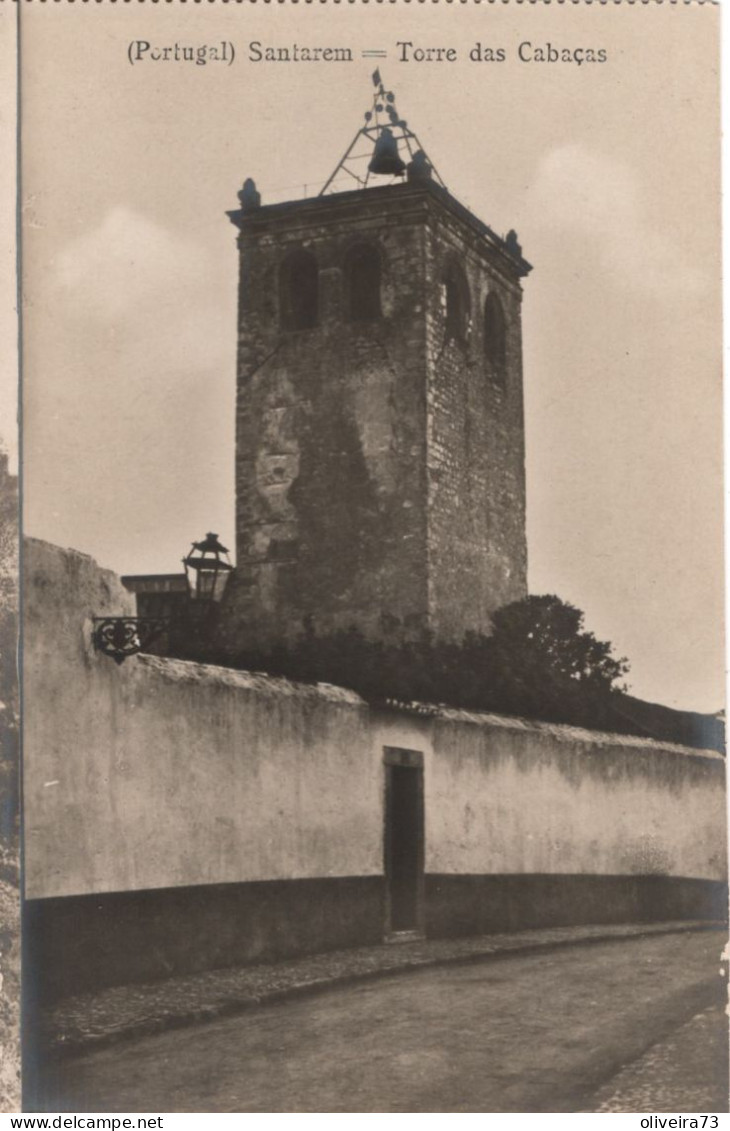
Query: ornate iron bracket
point(120, 637)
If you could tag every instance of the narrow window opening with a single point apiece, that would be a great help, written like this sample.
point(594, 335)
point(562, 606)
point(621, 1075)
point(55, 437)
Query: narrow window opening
point(455, 303)
point(299, 291)
point(495, 339)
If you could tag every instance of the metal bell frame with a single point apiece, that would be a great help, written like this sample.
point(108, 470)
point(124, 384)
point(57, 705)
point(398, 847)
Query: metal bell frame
point(382, 116)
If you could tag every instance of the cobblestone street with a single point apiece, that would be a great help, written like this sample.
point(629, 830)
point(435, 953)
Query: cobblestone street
point(94, 1019)
point(685, 1072)
point(558, 1030)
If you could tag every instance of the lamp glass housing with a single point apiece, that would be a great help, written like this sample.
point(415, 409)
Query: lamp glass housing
point(207, 569)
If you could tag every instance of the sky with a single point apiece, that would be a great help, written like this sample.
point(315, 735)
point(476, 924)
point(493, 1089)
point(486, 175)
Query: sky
point(609, 172)
point(8, 242)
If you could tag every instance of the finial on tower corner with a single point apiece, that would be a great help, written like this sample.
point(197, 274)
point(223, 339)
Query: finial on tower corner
point(420, 168)
point(249, 195)
point(513, 244)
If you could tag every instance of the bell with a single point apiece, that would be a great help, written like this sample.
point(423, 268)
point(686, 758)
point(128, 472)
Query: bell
point(385, 161)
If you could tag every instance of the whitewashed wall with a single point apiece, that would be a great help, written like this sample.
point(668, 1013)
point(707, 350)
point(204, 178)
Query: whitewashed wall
point(162, 773)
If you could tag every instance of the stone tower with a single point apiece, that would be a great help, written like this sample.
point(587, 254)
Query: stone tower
point(380, 436)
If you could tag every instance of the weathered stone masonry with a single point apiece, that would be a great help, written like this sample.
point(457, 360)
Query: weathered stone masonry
point(477, 550)
point(379, 468)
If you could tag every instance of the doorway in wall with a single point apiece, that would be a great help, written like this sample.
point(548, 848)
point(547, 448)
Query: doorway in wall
point(403, 842)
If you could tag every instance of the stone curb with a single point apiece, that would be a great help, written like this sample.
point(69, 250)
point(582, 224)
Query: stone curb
point(502, 947)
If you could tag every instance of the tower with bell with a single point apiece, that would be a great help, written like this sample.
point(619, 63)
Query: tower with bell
point(379, 433)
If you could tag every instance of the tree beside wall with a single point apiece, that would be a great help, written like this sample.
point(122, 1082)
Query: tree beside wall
point(539, 662)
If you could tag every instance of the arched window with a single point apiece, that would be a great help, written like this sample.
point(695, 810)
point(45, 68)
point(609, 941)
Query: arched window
point(455, 302)
point(299, 291)
point(495, 339)
point(362, 279)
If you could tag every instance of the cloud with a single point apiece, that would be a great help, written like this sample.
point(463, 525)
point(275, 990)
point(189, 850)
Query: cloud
point(129, 406)
point(158, 293)
point(597, 198)
point(125, 261)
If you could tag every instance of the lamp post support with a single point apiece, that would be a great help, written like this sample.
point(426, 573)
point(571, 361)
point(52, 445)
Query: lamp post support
point(120, 637)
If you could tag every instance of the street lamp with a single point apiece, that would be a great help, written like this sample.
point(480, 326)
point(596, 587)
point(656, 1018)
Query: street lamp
point(207, 569)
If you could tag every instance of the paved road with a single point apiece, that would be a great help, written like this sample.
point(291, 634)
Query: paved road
point(528, 1034)
point(684, 1072)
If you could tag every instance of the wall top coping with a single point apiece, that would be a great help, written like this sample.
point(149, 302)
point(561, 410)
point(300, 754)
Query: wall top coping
point(181, 671)
point(200, 674)
point(564, 732)
point(188, 671)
